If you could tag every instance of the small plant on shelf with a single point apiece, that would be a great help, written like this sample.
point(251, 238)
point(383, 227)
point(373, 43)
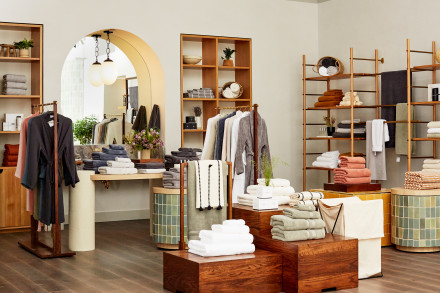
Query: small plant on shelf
point(83, 129)
point(24, 46)
point(228, 55)
point(198, 113)
point(330, 123)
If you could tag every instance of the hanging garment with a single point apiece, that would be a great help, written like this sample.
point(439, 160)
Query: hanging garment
point(375, 161)
point(141, 120)
point(114, 132)
point(154, 118)
point(238, 187)
point(211, 132)
point(40, 163)
point(219, 139)
point(229, 143)
point(246, 143)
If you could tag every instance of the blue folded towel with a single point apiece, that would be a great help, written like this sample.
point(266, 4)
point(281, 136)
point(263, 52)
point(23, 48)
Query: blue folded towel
point(94, 163)
point(106, 157)
point(117, 147)
point(113, 152)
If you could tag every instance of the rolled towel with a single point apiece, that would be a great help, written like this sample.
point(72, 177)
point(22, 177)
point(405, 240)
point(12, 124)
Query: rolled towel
point(235, 87)
point(151, 171)
point(9, 91)
point(117, 171)
point(434, 124)
point(297, 235)
point(116, 164)
point(227, 93)
point(14, 77)
point(206, 250)
point(353, 173)
point(15, 85)
point(307, 195)
point(297, 214)
point(234, 222)
point(288, 224)
point(208, 236)
point(116, 147)
point(274, 182)
point(122, 159)
point(230, 229)
point(113, 152)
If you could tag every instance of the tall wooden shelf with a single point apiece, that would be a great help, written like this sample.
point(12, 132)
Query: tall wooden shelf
point(307, 96)
point(211, 68)
point(13, 215)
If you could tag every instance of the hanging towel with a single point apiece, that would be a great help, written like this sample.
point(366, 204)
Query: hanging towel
point(375, 161)
point(141, 119)
point(209, 185)
point(379, 133)
point(401, 136)
point(393, 91)
point(154, 118)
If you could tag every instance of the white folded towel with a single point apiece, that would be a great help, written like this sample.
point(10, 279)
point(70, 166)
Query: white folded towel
point(431, 161)
point(126, 160)
point(235, 88)
point(325, 164)
point(151, 171)
point(274, 182)
point(307, 195)
point(117, 164)
point(327, 159)
point(234, 222)
point(208, 236)
point(117, 171)
point(276, 191)
point(15, 85)
point(349, 121)
point(205, 250)
point(230, 229)
point(348, 130)
point(433, 130)
point(246, 199)
point(333, 154)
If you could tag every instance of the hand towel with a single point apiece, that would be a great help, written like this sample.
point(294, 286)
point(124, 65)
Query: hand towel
point(274, 182)
point(117, 164)
point(299, 235)
point(208, 236)
point(237, 229)
point(151, 171)
point(433, 130)
point(14, 78)
point(117, 171)
point(352, 173)
point(297, 214)
point(116, 147)
point(348, 180)
point(288, 224)
point(234, 222)
point(307, 195)
point(113, 152)
point(209, 184)
point(206, 250)
point(122, 159)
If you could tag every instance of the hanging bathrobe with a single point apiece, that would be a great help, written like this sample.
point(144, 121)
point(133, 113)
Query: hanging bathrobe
point(39, 165)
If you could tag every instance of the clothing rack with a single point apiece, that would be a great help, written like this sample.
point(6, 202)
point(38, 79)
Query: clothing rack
point(35, 246)
point(123, 122)
point(255, 106)
point(182, 200)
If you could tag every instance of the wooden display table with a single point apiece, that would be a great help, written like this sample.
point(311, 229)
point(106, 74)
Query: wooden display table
point(316, 265)
point(257, 272)
point(415, 220)
point(258, 221)
point(384, 195)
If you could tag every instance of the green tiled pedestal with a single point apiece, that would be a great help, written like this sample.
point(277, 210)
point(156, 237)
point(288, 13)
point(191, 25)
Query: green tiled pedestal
point(415, 219)
point(166, 217)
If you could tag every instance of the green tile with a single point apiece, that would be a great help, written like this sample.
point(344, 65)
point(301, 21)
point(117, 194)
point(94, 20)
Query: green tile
point(422, 213)
point(422, 234)
point(417, 213)
point(417, 201)
point(416, 234)
point(428, 212)
point(411, 223)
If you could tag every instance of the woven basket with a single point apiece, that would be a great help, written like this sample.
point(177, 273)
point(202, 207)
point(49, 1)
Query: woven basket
point(338, 64)
point(228, 84)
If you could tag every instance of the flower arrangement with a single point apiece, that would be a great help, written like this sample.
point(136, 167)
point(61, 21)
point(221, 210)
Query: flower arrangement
point(145, 140)
point(329, 121)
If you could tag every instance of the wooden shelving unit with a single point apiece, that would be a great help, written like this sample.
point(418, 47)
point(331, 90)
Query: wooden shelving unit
point(211, 68)
point(349, 76)
point(433, 67)
point(13, 215)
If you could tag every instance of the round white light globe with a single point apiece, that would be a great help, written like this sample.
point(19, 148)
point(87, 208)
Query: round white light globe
point(95, 74)
point(109, 72)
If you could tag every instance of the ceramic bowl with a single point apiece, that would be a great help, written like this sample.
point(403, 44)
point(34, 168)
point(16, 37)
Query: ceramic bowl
point(190, 59)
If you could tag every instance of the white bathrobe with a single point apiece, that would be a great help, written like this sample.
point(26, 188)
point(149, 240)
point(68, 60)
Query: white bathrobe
point(211, 132)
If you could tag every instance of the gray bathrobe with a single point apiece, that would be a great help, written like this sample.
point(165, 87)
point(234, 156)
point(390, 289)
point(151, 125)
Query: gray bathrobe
point(246, 143)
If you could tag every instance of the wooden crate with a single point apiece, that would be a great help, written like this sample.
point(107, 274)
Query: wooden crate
point(316, 265)
point(256, 272)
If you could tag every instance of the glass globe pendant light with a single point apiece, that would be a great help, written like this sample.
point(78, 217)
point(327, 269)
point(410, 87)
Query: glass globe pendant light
point(95, 69)
point(109, 73)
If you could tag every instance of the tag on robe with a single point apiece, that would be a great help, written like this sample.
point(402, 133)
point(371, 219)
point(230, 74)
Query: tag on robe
point(50, 123)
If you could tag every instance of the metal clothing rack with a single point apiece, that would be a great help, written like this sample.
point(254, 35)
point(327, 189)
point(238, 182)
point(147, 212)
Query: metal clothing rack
point(182, 200)
point(35, 246)
point(123, 122)
point(255, 106)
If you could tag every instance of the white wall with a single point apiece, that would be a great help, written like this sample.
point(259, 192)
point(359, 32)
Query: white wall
point(385, 25)
point(280, 30)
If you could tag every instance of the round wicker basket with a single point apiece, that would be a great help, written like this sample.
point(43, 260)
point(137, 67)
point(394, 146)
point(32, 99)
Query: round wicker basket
point(328, 59)
point(227, 85)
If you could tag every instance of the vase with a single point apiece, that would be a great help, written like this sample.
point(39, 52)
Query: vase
point(24, 52)
point(330, 131)
point(145, 154)
point(264, 191)
point(199, 122)
point(228, 62)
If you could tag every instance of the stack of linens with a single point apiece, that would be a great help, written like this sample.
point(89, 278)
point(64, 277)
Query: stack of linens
point(14, 84)
point(280, 193)
point(344, 129)
point(181, 156)
point(305, 198)
point(231, 237)
point(10, 156)
point(110, 154)
point(346, 100)
point(330, 98)
point(150, 168)
point(299, 223)
point(94, 164)
point(327, 160)
point(422, 180)
point(434, 129)
point(171, 178)
point(119, 166)
point(431, 165)
point(205, 93)
point(352, 171)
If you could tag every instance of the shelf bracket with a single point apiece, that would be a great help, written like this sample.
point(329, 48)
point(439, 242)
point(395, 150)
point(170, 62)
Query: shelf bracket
point(106, 183)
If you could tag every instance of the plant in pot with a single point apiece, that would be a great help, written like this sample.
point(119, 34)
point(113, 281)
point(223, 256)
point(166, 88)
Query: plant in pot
point(228, 55)
point(83, 129)
point(144, 141)
point(267, 166)
point(330, 123)
point(198, 113)
point(24, 46)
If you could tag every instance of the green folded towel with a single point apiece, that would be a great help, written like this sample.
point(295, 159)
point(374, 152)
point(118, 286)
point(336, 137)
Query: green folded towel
point(297, 214)
point(297, 235)
point(305, 207)
point(288, 224)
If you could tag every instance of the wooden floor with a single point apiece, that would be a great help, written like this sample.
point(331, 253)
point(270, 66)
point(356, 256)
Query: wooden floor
point(125, 260)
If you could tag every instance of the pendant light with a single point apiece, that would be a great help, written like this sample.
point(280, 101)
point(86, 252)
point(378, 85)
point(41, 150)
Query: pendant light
point(109, 72)
point(95, 70)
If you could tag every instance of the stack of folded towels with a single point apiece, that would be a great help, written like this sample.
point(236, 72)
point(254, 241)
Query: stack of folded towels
point(14, 84)
point(344, 129)
point(434, 129)
point(346, 100)
point(305, 198)
point(171, 178)
point(299, 223)
point(181, 156)
point(150, 168)
point(352, 171)
point(422, 180)
point(10, 156)
point(331, 98)
point(205, 93)
point(100, 159)
point(281, 191)
point(119, 166)
point(231, 237)
point(327, 160)
point(431, 165)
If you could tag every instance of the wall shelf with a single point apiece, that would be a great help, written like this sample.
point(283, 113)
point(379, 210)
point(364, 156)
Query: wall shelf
point(19, 59)
point(195, 66)
point(9, 132)
point(341, 76)
point(19, 97)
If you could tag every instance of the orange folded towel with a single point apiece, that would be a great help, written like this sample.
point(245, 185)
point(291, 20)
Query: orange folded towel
point(10, 158)
point(333, 92)
point(326, 104)
point(12, 149)
point(348, 180)
point(329, 98)
point(352, 173)
point(9, 164)
point(352, 165)
point(357, 160)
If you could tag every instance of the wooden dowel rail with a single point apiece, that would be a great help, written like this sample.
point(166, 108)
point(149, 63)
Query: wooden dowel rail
point(417, 51)
point(369, 59)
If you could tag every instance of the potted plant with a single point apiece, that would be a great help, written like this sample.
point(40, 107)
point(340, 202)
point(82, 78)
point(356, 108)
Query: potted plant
point(330, 123)
point(228, 55)
point(83, 129)
point(24, 46)
point(198, 113)
point(267, 166)
point(144, 141)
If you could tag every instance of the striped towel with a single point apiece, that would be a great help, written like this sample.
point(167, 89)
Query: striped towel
point(422, 180)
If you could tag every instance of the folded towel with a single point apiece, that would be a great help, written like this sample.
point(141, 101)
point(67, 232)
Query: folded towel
point(173, 175)
point(246, 199)
point(10, 158)
point(431, 166)
point(276, 191)
point(348, 130)
point(116, 147)
point(433, 135)
point(348, 180)
point(333, 92)
point(12, 149)
point(234, 222)
point(431, 161)
point(326, 104)
point(296, 202)
point(150, 165)
point(348, 125)
point(205, 250)
point(208, 236)
point(274, 182)
point(307, 195)
point(297, 214)
point(297, 235)
point(14, 77)
point(116, 164)
point(117, 171)
point(107, 157)
point(9, 164)
point(190, 150)
point(349, 121)
point(327, 159)
point(15, 85)
point(288, 224)
point(434, 130)
point(91, 164)
point(348, 135)
point(352, 166)
point(434, 124)
point(151, 171)
point(331, 154)
point(359, 160)
point(122, 159)
point(329, 98)
point(173, 184)
point(325, 165)
point(9, 91)
point(353, 173)
point(113, 152)
point(230, 229)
